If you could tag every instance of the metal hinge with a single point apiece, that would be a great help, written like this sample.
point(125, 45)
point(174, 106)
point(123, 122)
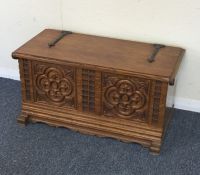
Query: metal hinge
point(58, 38)
point(157, 47)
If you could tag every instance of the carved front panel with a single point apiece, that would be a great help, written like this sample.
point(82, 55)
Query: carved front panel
point(125, 96)
point(54, 84)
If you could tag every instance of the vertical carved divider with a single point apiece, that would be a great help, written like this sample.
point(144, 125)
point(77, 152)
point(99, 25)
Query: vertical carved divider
point(79, 88)
point(25, 75)
point(31, 80)
point(154, 108)
point(98, 93)
point(157, 108)
point(22, 79)
point(156, 101)
point(151, 102)
point(26, 79)
point(89, 91)
point(163, 99)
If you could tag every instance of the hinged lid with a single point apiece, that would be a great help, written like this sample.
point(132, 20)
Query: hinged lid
point(104, 52)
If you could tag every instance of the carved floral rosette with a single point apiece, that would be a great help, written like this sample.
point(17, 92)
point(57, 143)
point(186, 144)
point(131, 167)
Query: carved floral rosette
point(54, 84)
point(125, 97)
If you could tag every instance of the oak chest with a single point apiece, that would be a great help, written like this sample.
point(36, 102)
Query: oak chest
point(100, 86)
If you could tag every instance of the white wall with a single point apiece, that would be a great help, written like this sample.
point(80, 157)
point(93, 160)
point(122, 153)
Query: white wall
point(19, 21)
point(171, 22)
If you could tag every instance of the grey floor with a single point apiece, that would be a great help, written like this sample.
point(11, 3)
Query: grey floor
point(39, 149)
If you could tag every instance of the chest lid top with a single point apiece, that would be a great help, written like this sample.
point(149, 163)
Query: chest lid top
point(102, 52)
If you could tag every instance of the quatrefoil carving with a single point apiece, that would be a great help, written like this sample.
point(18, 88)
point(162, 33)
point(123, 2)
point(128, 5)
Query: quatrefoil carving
point(56, 86)
point(124, 98)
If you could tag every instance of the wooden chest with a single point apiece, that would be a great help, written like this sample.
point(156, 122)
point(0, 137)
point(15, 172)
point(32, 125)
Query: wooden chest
point(100, 86)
